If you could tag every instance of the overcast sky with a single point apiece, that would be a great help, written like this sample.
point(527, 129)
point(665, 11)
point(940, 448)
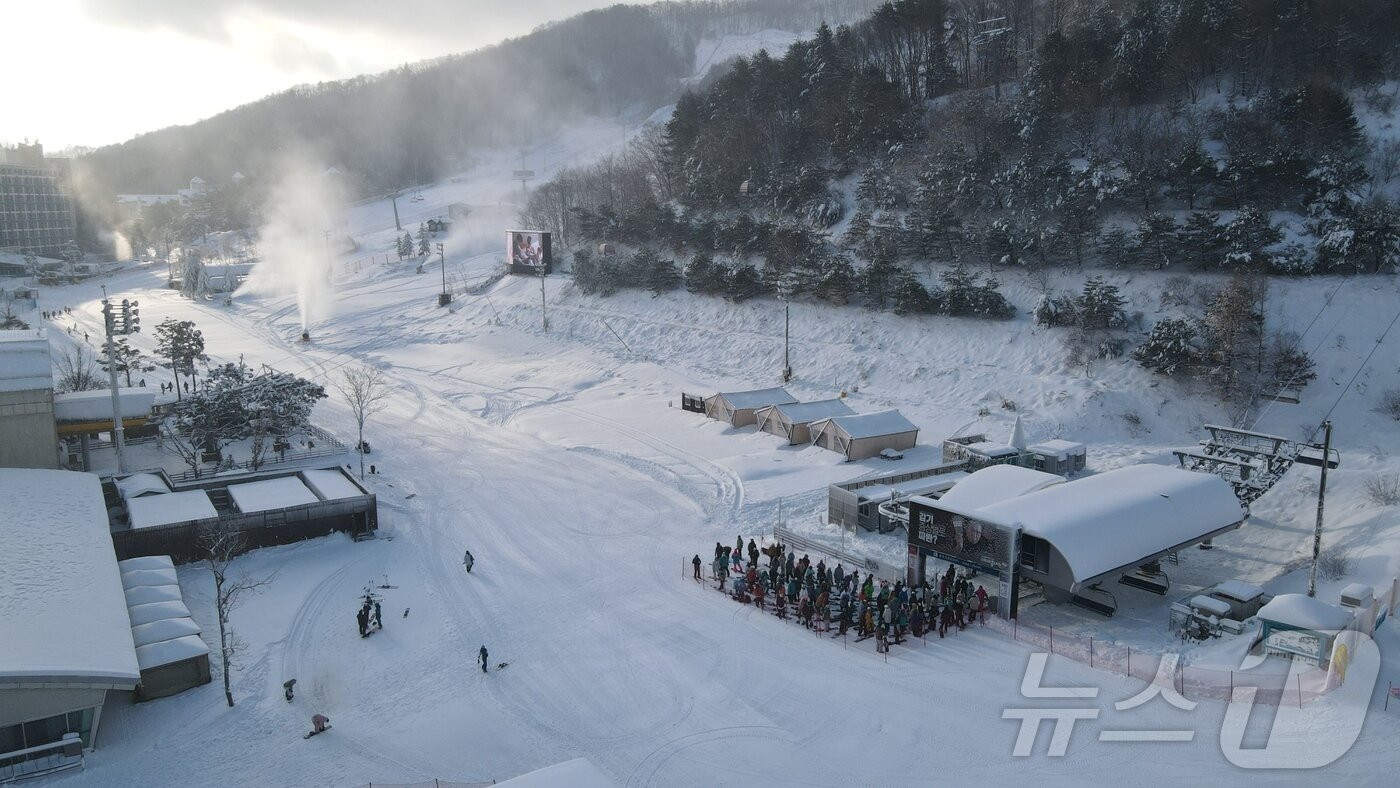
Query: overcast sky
point(92, 72)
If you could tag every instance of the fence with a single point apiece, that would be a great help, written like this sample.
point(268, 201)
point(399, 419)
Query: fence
point(325, 445)
point(260, 529)
point(784, 536)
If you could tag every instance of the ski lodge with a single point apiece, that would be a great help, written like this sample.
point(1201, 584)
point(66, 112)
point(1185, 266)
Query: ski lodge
point(740, 408)
point(794, 420)
point(67, 637)
point(1066, 538)
point(865, 435)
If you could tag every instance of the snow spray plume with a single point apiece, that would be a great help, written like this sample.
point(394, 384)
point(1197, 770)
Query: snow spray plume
point(303, 222)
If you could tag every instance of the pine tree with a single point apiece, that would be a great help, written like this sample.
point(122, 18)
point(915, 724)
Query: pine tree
point(837, 282)
point(706, 277)
point(1170, 348)
point(1100, 305)
point(1202, 240)
point(406, 244)
point(744, 283)
point(425, 247)
point(1115, 247)
point(910, 296)
point(1154, 237)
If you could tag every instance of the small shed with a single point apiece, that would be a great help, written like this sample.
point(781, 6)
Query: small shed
point(1302, 627)
point(865, 435)
point(332, 484)
point(170, 654)
point(139, 485)
point(1065, 458)
point(793, 421)
point(740, 408)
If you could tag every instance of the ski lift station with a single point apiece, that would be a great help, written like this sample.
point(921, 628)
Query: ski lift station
point(1027, 527)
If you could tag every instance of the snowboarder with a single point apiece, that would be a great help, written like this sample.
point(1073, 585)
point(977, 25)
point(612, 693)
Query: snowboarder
point(378, 622)
point(481, 657)
point(287, 685)
point(695, 562)
point(320, 723)
point(468, 561)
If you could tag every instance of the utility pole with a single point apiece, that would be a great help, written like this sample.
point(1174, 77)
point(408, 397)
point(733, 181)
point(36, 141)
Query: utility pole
point(787, 358)
point(544, 318)
point(394, 198)
point(445, 297)
point(1321, 495)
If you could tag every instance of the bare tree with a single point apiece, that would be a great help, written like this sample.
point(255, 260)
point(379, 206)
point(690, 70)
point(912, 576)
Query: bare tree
point(220, 544)
point(365, 391)
point(77, 371)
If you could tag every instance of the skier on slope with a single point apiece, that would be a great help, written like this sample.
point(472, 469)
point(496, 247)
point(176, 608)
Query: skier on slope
point(696, 563)
point(468, 561)
point(481, 657)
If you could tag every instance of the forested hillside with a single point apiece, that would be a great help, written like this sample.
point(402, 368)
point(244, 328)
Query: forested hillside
point(424, 120)
point(1192, 134)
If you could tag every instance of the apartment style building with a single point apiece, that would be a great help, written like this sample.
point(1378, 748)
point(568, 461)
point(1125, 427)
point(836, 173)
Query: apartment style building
point(36, 202)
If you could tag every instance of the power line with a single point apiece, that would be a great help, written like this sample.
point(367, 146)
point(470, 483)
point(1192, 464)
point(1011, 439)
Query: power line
point(1357, 374)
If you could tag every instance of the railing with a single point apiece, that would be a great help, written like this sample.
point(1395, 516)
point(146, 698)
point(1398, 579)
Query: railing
point(784, 536)
point(66, 753)
point(332, 447)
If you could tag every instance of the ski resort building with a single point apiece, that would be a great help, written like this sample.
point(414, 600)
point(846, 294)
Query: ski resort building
point(864, 502)
point(740, 408)
point(1060, 457)
point(793, 421)
point(66, 638)
point(27, 435)
point(1067, 538)
point(865, 435)
point(152, 517)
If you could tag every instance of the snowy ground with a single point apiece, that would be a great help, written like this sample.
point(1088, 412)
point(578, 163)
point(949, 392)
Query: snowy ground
point(563, 461)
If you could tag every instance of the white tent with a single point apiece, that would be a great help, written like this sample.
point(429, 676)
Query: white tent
point(865, 435)
point(741, 407)
point(793, 421)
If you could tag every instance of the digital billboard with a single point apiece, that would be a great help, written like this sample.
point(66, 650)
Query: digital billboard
point(528, 252)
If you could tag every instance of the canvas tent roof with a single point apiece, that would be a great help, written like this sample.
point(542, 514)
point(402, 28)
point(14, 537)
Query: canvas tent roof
point(871, 425)
point(154, 655)
point(150, 511)
point(270, 494)
point(157, 611)
point(758, 398)
point(163, 629)
point(147, 594)
point(138, 484)
point(331, 485)
point(807, 412)
point(135, 578)
point(1304, 612)
point(997, 483)
point(1110, 520)
point(63, 609)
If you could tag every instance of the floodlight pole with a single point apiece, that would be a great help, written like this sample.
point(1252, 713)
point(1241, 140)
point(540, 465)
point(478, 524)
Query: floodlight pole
point(118, 429)
point(787, 358)
point(446, 297)
point(1321, 495)
point(544, 317)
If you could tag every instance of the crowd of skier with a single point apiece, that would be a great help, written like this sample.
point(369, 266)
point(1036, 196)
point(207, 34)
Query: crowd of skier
point(826, 598)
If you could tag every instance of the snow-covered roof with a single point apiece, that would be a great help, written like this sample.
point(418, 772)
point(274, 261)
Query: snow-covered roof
point(144, 595)
point(1210, 604)
point(1058, 448)
point(758, 398)
point(146, 562)
point(135, 578)
point(84, 406)
point(1113, 519)
point(151, 511)
point(165, 652)
point(1305, 612)
point(139, 484)
point(807, 412)
point(24, 361)
point(997, 483)
point(270, 494)
point(163, 629)
point(1358, 591)
point(578, 773)
point(869, 425)
point(1238, 589)
point(157, 611)
point(923, 485)
point(331, 485)
point(62, 609)
point(993, 449)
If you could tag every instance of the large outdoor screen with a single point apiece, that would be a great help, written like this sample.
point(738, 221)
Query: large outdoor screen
point(527, 252)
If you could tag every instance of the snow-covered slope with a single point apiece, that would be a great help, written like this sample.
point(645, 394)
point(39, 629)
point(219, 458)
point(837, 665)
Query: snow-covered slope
point(563, 461)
